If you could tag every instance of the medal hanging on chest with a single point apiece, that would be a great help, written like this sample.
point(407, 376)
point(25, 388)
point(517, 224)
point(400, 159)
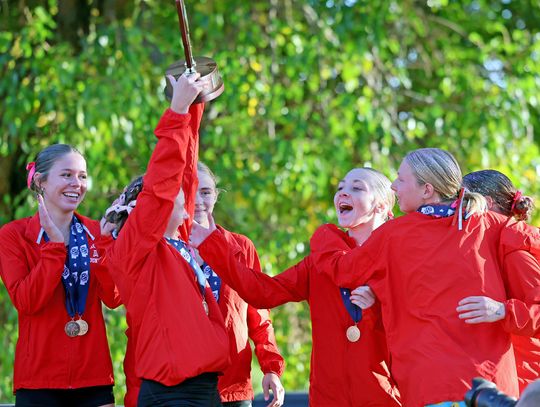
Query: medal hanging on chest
point(76, 279)
point(201, 280)
point(353, 332)
point(72, 329)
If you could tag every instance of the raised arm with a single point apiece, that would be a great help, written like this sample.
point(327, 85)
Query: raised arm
point(256, 288)
point(190, 181)
point(30, 289)
point(147, 223)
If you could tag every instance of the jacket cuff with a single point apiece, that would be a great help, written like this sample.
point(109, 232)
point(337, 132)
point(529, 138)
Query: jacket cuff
point(173, 120)
point(216, 237)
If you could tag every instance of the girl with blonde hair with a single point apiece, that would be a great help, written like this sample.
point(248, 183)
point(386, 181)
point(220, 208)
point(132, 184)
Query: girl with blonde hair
point(349, 364)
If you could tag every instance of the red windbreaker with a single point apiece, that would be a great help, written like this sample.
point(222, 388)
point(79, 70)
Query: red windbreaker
point(521, 274)
point(31, 269)
point(420, 267)
point(342, 373)
point(244, 322)
point(174, 338)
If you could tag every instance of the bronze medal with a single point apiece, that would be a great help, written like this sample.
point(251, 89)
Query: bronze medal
point(353, 333)
point(72, 329)
point(83, 326)
point(205, 306)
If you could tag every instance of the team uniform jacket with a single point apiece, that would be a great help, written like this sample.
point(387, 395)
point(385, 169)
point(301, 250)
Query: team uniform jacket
point(342, 373)
point(522, 279)
point(174, 338)
point(31, 269)
point(244, 322)
point(420, 267)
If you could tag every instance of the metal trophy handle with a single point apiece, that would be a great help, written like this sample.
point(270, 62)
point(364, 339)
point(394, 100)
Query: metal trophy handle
point(207, 67)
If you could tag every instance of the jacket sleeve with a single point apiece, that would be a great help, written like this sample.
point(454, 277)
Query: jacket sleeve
point(107, 291)
point(522, 280)
point(261, 332)
point(30, 289)
point(346, 266)
point(260, 328)
point(190, 181)
point(256, 288)
point(519, 236)
point(148, 221)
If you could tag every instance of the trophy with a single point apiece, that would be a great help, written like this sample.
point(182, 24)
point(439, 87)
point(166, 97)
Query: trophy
point(207, 67)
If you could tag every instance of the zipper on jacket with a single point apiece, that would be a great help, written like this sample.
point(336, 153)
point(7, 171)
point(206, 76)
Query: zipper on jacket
point(71, 343)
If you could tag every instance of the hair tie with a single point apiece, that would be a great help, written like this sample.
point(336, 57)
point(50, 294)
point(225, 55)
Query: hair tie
point(517, 197)
point(31, 168)
point(390, 215)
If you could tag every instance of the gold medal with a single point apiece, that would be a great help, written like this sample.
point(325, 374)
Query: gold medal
point(83, 326)
point(353, 333)
point(72, 329)
point(205, 306)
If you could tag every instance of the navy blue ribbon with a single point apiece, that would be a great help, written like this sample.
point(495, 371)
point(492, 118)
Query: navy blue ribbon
point(76, 275)
point(354, 310)
point(437, 211)
point(183, 249)
point(213, 280)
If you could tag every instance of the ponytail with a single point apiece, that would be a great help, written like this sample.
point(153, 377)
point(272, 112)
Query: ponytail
point(122, 206)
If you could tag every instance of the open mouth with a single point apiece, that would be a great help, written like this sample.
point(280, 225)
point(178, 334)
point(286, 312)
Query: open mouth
point(71, 195)
point(344, 208)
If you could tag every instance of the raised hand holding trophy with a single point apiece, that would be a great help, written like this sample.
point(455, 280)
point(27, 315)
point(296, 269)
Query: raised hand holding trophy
point(207, 67)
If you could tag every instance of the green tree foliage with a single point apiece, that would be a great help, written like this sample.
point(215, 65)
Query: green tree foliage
point(313, 88)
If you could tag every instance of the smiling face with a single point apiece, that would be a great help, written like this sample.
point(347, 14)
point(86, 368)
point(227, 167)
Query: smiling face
point(354, 200)
point(410, 194)
point(206, 198)
point(64, 186)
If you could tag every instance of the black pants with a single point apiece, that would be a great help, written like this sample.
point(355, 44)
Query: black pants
point(83, 397)
point(241, 403)
point(198, 391)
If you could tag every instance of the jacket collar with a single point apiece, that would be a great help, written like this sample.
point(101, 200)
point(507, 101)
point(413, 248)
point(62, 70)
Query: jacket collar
point(34, 231)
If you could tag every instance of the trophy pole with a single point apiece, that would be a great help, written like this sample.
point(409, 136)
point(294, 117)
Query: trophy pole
point(184, 31)
point(207, 67)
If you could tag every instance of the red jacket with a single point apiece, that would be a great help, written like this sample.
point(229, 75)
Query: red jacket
point(521, 274)
point(241, 321)
point(420, 267)
point(244, 322)
point(342, 373)
point(174, 338)
point(31, 269)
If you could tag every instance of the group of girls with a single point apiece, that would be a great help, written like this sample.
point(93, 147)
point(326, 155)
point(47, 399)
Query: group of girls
point(404, 311)
point(188, 344)
point(455, 287)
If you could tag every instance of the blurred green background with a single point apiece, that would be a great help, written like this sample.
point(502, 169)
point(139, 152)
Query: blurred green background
point(313, 88)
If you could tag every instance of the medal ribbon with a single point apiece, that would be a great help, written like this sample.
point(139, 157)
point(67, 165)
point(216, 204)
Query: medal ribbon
point(213, 280)
point(184, 252)
point(76, 275)
point(438, 211)
point(354, 310)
